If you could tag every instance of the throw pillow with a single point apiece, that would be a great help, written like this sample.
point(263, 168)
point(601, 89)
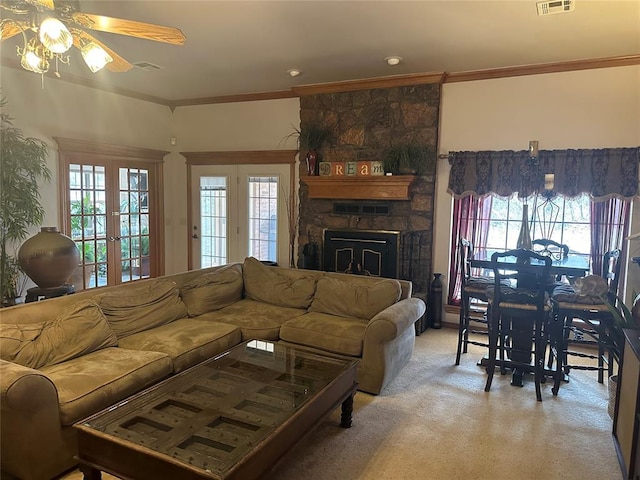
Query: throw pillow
point(282, 287)
point(213, 291)
point(142, 307)
point(79, 330)
point(349, 298)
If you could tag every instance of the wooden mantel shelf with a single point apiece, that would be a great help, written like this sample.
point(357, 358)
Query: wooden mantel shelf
point(394, 187)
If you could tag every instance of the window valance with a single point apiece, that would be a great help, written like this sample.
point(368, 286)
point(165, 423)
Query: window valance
point(602, 173)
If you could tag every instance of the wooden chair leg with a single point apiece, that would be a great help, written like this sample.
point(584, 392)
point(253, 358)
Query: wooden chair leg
point(462, 328)
point(493, 327)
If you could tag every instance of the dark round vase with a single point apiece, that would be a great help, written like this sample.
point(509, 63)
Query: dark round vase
point(49, 258)
point(434, 306)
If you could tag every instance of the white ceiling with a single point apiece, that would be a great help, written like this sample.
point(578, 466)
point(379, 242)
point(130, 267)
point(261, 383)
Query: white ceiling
point(237, 47)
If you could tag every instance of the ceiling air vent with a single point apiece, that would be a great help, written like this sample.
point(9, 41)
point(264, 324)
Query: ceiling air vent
point(147, 66)
point(559, 6)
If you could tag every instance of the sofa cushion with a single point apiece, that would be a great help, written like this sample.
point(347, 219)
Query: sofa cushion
point(80, 329)
point(286, 288)
point(255, 319)
point(327, 332)
point(213, 291)
point(133, 309)
point(187, 341)
point(99, 379)
point(349, 298)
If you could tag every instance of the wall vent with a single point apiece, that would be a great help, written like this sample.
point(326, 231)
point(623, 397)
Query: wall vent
point(361, 208)
point(147, 66)
point(556, 6)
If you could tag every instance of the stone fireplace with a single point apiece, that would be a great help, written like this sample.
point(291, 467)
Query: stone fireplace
point(368, 122)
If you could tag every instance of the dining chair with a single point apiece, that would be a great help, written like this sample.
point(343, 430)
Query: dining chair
point(555, 250)
point(473, 319)
point(595, 320)
point(519, 315)
point(545, 246)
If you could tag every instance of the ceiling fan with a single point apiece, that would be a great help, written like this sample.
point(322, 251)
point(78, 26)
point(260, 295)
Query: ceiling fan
point(50, 28)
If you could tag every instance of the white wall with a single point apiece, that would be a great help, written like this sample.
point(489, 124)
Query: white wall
point(259, 125)
point(583, 109)
point(61, 109)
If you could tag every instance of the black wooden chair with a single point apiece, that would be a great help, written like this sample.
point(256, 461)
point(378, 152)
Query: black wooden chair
point(551, 248)
point(473, 318)
point(519, 315)
point(596, 320)
point(555, 250)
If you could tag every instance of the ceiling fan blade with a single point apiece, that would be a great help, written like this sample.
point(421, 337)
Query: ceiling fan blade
point(10, 29)
point(118, 64)
point(132, 28)
point(48, 4)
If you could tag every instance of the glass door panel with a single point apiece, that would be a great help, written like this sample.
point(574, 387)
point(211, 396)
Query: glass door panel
point(88, 206)
point(213, 221)
point(133, 234)
point(263, 217)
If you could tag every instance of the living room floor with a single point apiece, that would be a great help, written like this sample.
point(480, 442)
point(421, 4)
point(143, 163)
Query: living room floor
point(435, 421)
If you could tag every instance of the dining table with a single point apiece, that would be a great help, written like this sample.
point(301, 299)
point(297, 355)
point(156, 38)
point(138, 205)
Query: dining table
point(569, 266)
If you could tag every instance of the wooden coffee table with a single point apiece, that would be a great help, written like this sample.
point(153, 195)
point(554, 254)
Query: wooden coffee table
point(231, 417)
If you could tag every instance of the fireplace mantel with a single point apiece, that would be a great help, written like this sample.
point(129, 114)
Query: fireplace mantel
point(395, 187)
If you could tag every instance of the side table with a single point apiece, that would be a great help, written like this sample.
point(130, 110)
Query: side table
point(36, 293)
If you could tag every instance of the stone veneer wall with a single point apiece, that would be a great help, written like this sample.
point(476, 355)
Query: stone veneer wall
point(367, 122)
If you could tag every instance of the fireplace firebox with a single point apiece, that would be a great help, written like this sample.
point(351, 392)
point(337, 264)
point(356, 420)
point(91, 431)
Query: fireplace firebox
point(361, 252)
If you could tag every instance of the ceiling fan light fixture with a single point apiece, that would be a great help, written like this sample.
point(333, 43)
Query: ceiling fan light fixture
point(33, 58)
point(55, 35)
point(95, 56)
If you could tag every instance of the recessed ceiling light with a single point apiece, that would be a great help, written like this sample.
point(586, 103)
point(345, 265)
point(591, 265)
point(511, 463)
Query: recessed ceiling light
point(294, 72)
point(393, 60)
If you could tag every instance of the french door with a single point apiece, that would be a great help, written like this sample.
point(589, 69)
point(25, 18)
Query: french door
point(239, 211)
point(111, 209)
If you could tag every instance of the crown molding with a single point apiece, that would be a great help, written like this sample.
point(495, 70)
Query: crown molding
point(369, 83)
point(354, 85)
point(542, 68)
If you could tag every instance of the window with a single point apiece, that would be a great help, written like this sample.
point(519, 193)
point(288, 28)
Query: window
point(565, 220)
point(589, 228)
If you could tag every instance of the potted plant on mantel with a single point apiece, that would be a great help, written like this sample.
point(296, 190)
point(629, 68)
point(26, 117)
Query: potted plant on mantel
point(22, 166)
point(313, 136)
point(409, 159)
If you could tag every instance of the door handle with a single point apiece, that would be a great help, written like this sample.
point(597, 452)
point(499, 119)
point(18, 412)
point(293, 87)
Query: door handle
point(195, 235)
point(113, 239)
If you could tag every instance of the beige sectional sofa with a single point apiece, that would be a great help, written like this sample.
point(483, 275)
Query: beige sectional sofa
point(66, 358)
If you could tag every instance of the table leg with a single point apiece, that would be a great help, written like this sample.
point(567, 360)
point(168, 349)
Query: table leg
point(347, 411)
point(90, 473)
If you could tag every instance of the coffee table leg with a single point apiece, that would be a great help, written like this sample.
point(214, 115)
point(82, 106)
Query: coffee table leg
point(347, 410)
point(90, 473)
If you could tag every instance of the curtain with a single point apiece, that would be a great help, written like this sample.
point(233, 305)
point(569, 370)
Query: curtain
point(603, 173)
point(470, 221)
point(609, 226)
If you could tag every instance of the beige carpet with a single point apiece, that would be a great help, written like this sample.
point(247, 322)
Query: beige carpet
point(436, 422)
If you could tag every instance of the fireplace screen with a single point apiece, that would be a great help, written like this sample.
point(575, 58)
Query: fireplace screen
point(361, 252)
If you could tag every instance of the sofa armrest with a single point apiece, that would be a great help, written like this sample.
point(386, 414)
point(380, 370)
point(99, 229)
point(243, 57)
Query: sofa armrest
point(23, 388)
point(392, 321)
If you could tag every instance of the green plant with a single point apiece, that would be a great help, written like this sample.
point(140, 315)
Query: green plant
point(313, 136)
point(408, 159)
point(23, 166)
